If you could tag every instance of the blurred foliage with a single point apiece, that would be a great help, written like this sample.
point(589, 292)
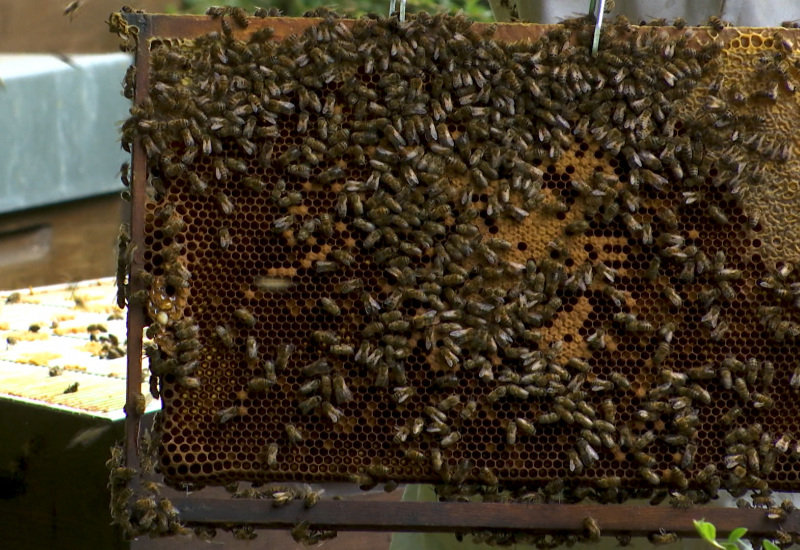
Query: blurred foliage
point(477, 10)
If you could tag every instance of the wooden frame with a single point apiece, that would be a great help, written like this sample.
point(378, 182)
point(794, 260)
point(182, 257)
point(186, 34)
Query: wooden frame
point(384, 516)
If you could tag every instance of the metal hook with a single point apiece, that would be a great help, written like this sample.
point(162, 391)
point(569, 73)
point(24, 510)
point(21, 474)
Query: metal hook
point(600, 12)
point(393, 6)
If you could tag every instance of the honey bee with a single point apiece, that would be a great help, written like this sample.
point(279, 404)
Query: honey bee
point(511, 433)
point(310, 497)
point(245, 316)
point(283, 354)
point(719, 332)
point(226, 415)
point(294, 435)
point(272, 284)
point(262, 384)
point(436, 459)
point(316, 368)
point(606, 272)
point(587, 453)
point(740, 386)
point(649, 475)
point(449, 440)
point(596, 340)
point(72, 8)
point(776, 513)
point(341, 391)
point(332, 413)
point(591, 529)
point(270, 455)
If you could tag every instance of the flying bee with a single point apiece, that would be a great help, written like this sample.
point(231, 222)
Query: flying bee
point(72, 8)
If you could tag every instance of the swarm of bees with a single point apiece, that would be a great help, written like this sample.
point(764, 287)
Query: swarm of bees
point(411, 242)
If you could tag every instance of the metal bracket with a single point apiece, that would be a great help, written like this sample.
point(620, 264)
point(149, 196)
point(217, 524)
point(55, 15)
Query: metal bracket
point(139, 20)
point(393, 6)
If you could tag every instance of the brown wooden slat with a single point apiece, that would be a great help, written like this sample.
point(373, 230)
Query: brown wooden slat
point(136, 314)
point(457, 516)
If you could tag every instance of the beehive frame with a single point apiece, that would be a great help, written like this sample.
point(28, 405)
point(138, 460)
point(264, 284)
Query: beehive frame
point(186, 27)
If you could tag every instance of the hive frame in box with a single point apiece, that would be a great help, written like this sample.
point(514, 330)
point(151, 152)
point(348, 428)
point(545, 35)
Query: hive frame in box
point(379, 516)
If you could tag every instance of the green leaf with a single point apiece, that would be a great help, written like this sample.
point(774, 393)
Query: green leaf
point(706, 530)
point(769, 545)
point(736, 534)
point(730, 546)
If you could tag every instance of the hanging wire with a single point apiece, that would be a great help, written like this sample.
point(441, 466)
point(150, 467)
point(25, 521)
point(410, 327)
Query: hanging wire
point(600, 12)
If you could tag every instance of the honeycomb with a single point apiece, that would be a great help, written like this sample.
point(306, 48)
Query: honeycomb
point(418, 251)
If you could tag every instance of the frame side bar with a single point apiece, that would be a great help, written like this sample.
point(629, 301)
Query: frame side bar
point(136, 311)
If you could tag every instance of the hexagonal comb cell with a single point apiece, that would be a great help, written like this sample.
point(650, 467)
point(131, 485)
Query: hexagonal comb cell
point(419, 252)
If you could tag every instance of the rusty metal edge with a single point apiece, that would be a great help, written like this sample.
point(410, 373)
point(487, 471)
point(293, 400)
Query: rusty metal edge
point(459, 516)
